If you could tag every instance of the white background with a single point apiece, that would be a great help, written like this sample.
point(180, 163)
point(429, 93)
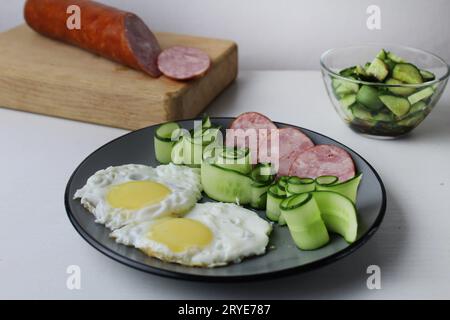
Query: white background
point(287, 34)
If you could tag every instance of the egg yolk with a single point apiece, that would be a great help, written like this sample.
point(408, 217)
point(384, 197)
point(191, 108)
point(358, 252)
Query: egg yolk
point(136, 194)
point(180, 234)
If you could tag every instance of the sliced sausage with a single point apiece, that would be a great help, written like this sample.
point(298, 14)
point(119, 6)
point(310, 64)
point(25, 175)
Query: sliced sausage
point(323, 160)
point(245, 130)
point(183, 63)
point(111, 33)
point(292, 143)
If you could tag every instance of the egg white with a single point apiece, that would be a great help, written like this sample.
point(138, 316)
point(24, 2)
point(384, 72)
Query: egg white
point(237, 233)
point(183, 182)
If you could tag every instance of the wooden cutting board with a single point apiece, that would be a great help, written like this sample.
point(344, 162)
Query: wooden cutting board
point(44, 76)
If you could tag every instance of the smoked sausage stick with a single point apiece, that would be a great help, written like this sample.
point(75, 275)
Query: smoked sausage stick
point(106, 31)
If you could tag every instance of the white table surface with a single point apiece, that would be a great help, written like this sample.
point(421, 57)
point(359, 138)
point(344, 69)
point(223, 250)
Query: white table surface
point(412, 247)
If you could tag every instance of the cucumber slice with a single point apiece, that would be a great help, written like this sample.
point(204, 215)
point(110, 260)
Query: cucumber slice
point(282, 182)
point(395, 58)
point(412, 120)
point(177, 152)
point(361, 112)
point(206, 122)
point(400, 91)
point(383, 116)
point(304, 221)
point(399, 106)
point(326, 180)
point(348, 72)
point(163, 141)
point(296, 185)
point(418, 107)
point(346, 87)
point(195, 144)
point(225, 185)
point(346, 103)
point(237, 159)
point(378, 69)
point(420, 95)
point(338, 212)
point(282, 220)
point(275, 196)
point(427, 75)
point(164, 132)
point(261, 183)
point(347, 188)
point(407, 73)
point(348, 100)
point(382, 54)
point(390, 64)
point(368, 96)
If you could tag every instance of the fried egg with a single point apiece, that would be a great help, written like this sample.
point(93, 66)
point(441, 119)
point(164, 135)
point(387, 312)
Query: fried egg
point(211, 234)
point(121, 195)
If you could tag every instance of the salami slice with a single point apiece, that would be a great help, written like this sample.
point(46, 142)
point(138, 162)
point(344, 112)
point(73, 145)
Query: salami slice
point(323, 160)
point(183, 63)
point(292, 142)
point(109, 32)
point(239, 134)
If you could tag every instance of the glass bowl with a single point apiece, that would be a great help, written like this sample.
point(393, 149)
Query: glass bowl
point(346, 96)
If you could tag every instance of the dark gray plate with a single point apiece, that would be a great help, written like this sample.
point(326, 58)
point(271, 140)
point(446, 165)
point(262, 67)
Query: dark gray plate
point(283, 257)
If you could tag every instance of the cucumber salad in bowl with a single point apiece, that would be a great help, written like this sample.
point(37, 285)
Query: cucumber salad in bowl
point(384, 93)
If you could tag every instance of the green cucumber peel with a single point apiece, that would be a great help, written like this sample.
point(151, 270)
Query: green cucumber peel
point(326, 180)
point(338, 213)
point(304, 221)
point(347, 188)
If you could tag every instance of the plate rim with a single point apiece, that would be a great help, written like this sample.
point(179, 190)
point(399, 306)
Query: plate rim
point(208, 278)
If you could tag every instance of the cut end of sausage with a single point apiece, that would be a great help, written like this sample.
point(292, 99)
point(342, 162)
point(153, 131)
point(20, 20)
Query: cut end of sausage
point(183, 63)
point(143, 43)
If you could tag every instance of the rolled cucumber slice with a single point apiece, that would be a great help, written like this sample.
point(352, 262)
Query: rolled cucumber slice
point(275, 196)
point(163, 141)
point(225, 185)
point(401, 91)
point(262, 180)
point(347, 188)
point(177, 152)
point(407, 73)
point(368, 96)
point(378, 69)
point(326, 180)
point(420, 95)
point(304, 220)
point(195, 143)
point(296, 185)
point(338, 212)
point(206, 122)
point(398, 105)
point(237, 159)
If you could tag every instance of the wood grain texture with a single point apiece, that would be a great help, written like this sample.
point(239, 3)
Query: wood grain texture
point(44, 76)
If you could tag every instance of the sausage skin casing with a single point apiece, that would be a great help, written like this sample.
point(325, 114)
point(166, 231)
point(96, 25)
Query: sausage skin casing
point(109, 32)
